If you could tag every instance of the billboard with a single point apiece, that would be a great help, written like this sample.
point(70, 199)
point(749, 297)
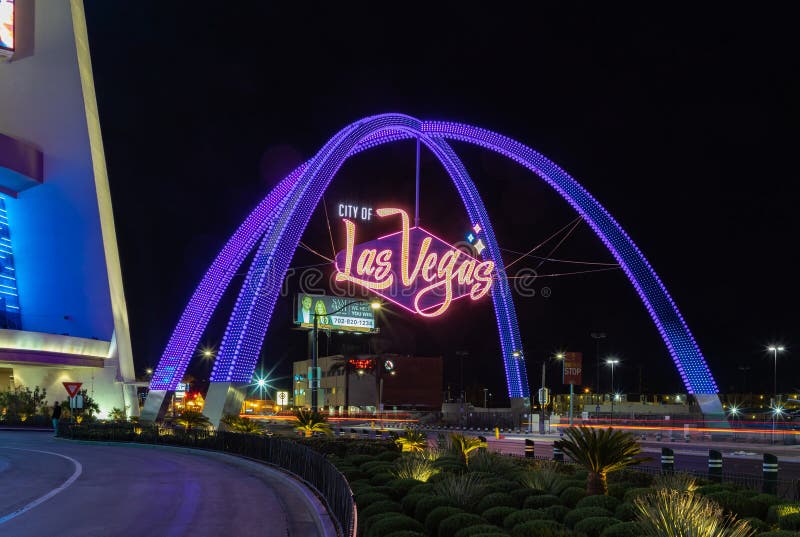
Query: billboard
point(7, 25)
point(573, 368)
point(334, 313)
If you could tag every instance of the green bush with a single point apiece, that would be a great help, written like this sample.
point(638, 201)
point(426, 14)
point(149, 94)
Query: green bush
point(347, 447)
point(778, 533)
point(388, 524)
point(618, 490)
point(402, 486)
point(544, 500)
point(436, 516)
point(365, 525)
point(428, 504)
point(789, 522)
point(409, 502)
point(499, 485)
point(376, 467)
point(354, 475)
point(376, 508)
point(388, 456)
point(479, 529)
point(381, 479)
point(606, 502)
point(450, 525)
point(622, 529)
point(494, 499)
point(757, 524)
point(593, 526)
point(632, 494)
point(712, 489)
point(763, 502)
point(365, 500)
point(406, 533)
point(496, 515)
point(576, 515)
point(358, 460)
point(520, 517)
point(520, 495)
point(775, 512)
point(633, 477)
point(737, 504)
point(572, 495)
point(360, 486)
point(557, 512)
point(540, 528)
point(426, 488)
point(625, 512)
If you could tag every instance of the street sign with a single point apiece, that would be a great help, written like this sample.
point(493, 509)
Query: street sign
point(72, 387)
point(573, 368)
point(283, 398)
point(544, 396)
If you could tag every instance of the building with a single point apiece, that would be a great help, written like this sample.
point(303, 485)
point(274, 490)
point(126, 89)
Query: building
point(365, 382)
point(63, 315)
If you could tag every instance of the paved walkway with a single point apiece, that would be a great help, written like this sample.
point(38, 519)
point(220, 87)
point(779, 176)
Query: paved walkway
point(59, 487)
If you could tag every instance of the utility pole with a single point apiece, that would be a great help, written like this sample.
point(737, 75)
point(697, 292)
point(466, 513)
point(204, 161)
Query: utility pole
point(542, 399)
point(597, 336)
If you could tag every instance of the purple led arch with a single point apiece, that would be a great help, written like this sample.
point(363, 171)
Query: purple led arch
point(281, 218)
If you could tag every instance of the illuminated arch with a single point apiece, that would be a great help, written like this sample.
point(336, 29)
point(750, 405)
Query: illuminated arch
point(281, 218)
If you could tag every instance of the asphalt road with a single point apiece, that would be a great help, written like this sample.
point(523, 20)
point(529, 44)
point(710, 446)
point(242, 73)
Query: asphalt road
point(55, 487)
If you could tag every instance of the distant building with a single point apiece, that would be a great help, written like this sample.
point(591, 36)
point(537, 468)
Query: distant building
point(408, 382)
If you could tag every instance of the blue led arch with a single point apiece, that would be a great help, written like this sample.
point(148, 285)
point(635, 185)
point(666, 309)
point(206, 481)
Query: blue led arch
point(279, 221)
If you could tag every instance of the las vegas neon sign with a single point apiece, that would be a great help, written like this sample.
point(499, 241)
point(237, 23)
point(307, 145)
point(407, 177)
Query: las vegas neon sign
point(413, 268)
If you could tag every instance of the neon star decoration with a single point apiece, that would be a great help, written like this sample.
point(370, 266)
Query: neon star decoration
point(413, 268)
point(276, 225)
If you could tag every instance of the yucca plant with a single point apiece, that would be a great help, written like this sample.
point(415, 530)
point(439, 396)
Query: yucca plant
point(192, 419)
point(412, 441)
point(670, 513)
point(546, 479)
point(414, 466)
point(493, 463)
point(308, 423)
point(680, 481)
point(600, 451)
point(242, 425)
point(464, 446)
point(464, 490)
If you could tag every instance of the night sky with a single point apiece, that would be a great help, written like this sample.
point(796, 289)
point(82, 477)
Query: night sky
point(681, 123)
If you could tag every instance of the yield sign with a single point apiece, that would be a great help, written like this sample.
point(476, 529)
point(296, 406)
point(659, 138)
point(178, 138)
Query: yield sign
point(72, 387)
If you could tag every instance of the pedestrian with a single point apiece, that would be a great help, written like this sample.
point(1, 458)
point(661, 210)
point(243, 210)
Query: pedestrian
point(56, 416)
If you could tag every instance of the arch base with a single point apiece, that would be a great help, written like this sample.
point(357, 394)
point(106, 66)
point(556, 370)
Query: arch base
point(155, 406)
point(224, 398)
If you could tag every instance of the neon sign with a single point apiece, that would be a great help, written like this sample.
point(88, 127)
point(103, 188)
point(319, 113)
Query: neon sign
point(413, 268)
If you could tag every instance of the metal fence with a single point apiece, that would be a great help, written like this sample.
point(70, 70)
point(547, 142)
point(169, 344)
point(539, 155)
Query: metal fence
point(303, 462)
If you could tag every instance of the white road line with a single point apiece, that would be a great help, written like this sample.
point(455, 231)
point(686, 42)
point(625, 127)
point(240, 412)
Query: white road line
point(42, 499)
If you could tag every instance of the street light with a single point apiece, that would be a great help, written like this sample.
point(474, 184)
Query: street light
point(561, 356)
point(775, 349)
point(375, 305)
point(597, 336)
point(612, 362)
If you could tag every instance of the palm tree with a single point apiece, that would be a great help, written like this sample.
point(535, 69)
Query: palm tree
point(308, 423)
point(193, 419)
point(463, 446)
point(242, 425)
point(412, 441)
point(600, 451)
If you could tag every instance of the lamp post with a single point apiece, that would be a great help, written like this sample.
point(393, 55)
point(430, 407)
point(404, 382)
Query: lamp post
point(561, 356)
point(597, 336)
point(612, 362)
point(313, 378)
point(775, 349)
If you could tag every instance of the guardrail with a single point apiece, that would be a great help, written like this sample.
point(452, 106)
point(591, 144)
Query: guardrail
point(301, 461)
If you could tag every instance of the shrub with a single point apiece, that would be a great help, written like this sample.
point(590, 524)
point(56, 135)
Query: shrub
point(479, 529)
point(525, 515)
point(494, 499)
point(775, 512)
point(680, 481)
point(424, 488)
point(355, 475)
point(520, 495)
point(388, 456)
point(436, 516)
point(711, 489)
point(402, 486)
point(450, 525)
point(428, 504)
point(496, 515)
point(593, 526)
point(765, 500)
point(789, 522)
point(498, 484)
point(757, 524)
point(414, 466)
point(622, 529)
point(669, 512)
point(572, 495)
point(389, 524)
point(632, 494)
point(409, 503)
point(737, 504)
point(606, 502)
point(365, 525)
point(365, 500)
point(618, 490)
point(381, 479)
point(557, 512)
point(464, 490)
point(778, 533)
point(546, 479)
point(377, 508)
point(493, 463)
point(406, 533)
point(633, 477)
point(625, 512)
point(358, 460)
point(375, 467)
point(576, 515)
point(545, 500)
point(540, 528)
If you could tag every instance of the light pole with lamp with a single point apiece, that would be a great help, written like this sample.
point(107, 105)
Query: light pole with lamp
point(612, 362)
point(775, 349)
point(314, 377)
point(518, 355)
point(597, 336)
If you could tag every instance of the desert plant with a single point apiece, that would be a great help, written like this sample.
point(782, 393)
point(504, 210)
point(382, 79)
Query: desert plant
point(493, 463)
point(428, 504)
point(193, 419)
point(436, 516)
point(541, 501)
point(593, 526)
point(522, 516)
point(391, 523)
point(240, 424)
point(541, 528)
point(309, 422)
point(117, 414)
point(599, 451)
point(480, 530)
point(450, 525)
point(494, 499)
point(544, 479)
point(622, 529)
point(376, 508)
point(572, 495)
point(668, 513)
point(576, 515)
point(464, 446)
point(496, 515)
point(412, 441)
point(680, 481)
point(790, 522)
point(465, 490)
point(606, 502)
point(414, 466)
point(776, 511)
point(625, 512)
